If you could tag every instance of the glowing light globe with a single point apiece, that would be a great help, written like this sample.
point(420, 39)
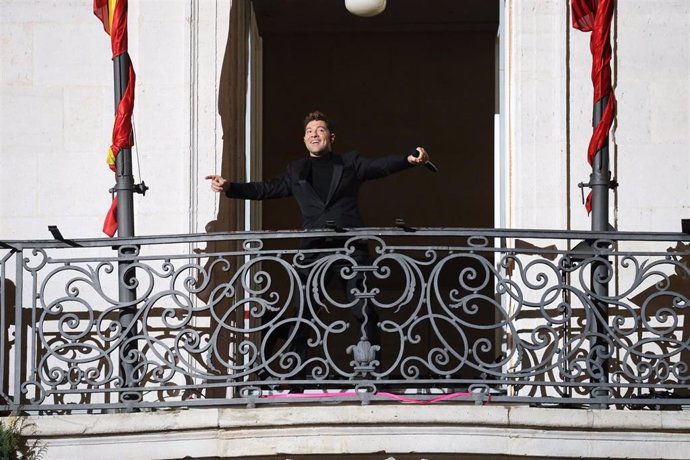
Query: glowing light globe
point(365, 8)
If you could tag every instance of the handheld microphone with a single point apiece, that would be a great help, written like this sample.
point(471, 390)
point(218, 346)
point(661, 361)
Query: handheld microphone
point(429, 165)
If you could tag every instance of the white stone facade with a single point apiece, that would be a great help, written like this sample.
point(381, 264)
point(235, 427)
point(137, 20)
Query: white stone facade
point(56, 98)
point(56, 113)
point(550, 97)
point(56, 94)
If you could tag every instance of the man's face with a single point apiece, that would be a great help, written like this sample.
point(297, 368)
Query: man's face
point(318, 138)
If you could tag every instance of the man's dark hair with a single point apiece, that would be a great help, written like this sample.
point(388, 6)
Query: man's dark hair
point(316, 115)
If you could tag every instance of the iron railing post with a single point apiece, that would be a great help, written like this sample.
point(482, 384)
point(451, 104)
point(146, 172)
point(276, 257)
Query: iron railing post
point(18, 330)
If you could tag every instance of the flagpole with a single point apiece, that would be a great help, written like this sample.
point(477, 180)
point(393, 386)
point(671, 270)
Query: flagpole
point(600, 183)
point(595, 16)
point(600, 179)
point(124, 178)
point(124, 187)
point(120, 218)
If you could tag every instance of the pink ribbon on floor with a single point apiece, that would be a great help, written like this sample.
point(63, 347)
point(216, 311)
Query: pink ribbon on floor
point(380, 393)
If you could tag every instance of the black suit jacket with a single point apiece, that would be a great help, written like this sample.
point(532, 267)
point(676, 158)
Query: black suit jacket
point(350, 170)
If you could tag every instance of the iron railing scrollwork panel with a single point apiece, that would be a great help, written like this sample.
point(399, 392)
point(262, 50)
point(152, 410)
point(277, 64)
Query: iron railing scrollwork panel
point(434, 311)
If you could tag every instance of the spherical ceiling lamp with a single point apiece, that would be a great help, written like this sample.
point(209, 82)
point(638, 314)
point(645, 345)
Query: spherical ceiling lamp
point(366, 8)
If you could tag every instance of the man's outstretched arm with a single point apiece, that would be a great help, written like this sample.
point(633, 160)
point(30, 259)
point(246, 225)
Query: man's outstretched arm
point(277, 187)
point(375, 168)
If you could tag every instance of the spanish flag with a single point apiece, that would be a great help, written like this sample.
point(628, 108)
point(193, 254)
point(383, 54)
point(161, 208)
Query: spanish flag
point(595, 16)
point(113, 15)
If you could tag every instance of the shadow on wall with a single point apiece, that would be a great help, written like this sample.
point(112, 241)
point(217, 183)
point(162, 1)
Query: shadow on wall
point(666, 306)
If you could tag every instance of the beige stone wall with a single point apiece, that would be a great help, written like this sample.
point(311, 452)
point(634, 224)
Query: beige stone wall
point(56, 94)
point(56, 116)
point(550, 97)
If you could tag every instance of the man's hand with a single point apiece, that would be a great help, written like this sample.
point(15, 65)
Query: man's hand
point(218, 184)
point(419, 159)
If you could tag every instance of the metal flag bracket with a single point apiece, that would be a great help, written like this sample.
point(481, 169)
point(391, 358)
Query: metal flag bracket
point(138, 188)
point(611, 183)
point(141, 188)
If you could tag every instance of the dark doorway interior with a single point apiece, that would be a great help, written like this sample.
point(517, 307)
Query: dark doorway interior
point(421, 73)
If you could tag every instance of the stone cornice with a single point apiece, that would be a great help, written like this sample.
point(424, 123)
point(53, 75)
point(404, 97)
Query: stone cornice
point(355, 429)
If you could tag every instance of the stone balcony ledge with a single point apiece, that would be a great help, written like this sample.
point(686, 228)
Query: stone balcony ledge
point(293, 431)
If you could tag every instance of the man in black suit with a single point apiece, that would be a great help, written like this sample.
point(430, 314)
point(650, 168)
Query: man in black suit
point(326, 187)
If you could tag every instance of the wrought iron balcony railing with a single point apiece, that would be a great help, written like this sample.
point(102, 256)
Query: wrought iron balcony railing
point(426, 314)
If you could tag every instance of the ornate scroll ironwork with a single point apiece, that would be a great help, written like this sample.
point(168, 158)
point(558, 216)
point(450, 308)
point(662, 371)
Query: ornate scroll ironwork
point(438, 310)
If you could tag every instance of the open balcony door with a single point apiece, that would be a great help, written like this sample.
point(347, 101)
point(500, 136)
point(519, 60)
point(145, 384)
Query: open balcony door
point(240, 110)
point(239, 107)
point(317, 56)
point(253, 121)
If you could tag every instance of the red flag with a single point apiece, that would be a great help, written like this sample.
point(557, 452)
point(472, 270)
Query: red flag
point(583, 14)
point(122, 128)
point(110, 223)
point(113, 15)
point(100, 9)
point(595, 16)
